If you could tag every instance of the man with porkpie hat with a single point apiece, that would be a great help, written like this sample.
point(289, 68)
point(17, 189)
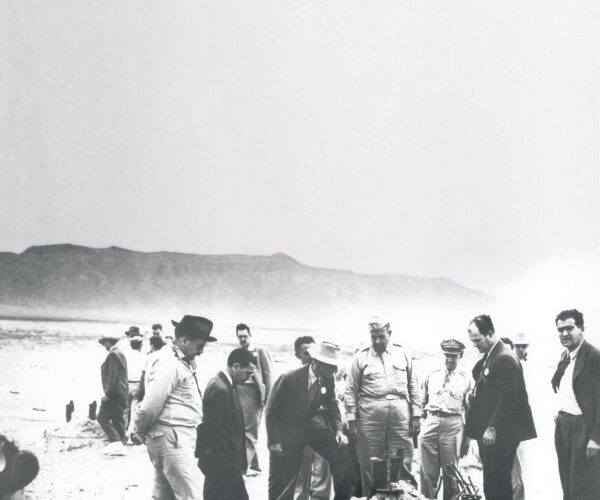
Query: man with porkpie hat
point(171, 410)
point(444, 401)
point(111, 415)
point(383, 404)
point(302, 411)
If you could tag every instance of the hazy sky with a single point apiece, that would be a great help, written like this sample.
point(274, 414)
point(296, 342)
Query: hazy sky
point(430, 138)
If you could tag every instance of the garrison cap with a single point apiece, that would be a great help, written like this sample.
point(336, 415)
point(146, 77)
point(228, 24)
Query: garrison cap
point(452, 346)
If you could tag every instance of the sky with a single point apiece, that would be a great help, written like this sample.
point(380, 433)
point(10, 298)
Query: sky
point(455, 139)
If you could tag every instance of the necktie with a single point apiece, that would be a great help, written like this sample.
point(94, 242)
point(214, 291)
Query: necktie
point(560, 371)
point(313, 396)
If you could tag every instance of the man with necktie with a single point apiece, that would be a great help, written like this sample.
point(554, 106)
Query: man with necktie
point(302, 411)
point(577, 431)
point(444, 402)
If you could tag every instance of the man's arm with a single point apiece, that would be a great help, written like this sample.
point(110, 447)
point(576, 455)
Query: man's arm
point(113, 363)
point(595, 371)
point(265, 364)
point(162, 378)
point(273, 410)
point(353, 381)
point(413, 390)
point(425, 392)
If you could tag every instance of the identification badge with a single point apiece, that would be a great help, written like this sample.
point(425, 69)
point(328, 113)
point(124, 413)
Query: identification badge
point(323, 390)
point(486, 372)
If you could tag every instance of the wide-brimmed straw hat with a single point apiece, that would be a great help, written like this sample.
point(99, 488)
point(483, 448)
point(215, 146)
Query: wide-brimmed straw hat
point(326, 352)
point(109, 338)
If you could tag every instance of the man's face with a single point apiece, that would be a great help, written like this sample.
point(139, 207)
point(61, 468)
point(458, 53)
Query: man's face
point(569, 333)
point(380, 340)
point(322, 369)
point(521, 351)
point(481, 342)
point(452, 361)
point(244, 338)
point(239, 374)
point(302, 353)
point(192, 347)
point(157, 333)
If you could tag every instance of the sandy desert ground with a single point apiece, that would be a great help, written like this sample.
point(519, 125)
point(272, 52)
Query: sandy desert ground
point(47, 364)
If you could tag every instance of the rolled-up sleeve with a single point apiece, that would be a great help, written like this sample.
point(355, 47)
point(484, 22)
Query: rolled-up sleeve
point(162, 378)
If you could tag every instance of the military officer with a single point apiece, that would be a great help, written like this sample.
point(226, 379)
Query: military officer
point(444, 401)
point(383, 404)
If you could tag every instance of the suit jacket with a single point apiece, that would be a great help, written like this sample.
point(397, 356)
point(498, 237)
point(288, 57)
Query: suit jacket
point(289, 411)
point(500, 399)
point(114, 374)
point(220, 441)
point(586, 385)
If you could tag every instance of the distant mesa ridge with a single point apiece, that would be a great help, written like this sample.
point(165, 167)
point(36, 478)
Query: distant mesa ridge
point(68, 277)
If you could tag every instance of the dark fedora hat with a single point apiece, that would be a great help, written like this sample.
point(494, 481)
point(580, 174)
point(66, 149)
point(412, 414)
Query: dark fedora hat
point(133, 330)
point(195, 326)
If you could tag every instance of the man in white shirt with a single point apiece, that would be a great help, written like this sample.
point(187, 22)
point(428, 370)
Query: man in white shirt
point(577, 432)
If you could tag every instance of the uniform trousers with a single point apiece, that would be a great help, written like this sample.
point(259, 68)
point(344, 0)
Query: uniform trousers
point(439, 445)
point(383, 424)
point(497, 460)
point(283, 470)
point(111, 417)
point(253, 409)
point(176, 474)
point(579, 477)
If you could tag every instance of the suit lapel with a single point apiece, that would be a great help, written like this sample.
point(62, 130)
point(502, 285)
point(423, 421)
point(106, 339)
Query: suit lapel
point(580, 359)
point(302, 385)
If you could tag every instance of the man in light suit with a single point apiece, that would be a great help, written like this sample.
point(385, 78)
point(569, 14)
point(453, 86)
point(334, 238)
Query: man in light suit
point(253, 395)
point(500, 416)
point(577, 432)
point(220, 443)
point(302, 411)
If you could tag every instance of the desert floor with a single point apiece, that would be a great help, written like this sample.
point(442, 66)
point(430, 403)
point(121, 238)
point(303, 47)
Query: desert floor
point(47, 364)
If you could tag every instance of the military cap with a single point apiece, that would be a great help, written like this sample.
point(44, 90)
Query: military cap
point(377, 324)
point(452, 346)
point(194, 326)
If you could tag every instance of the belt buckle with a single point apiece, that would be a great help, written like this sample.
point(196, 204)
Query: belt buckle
point(389, 397)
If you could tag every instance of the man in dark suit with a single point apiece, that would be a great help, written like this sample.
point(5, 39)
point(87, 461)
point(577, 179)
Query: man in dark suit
point(111, 415)
point(577, 432)
point(302, 410)
point(220, 445)
point(500, 416)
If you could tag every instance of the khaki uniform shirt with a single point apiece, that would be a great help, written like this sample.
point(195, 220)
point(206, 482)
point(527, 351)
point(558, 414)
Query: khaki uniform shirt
point(446, 391)
point(374, 375)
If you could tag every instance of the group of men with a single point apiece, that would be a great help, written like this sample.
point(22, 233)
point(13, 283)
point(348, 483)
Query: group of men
point(316, 430)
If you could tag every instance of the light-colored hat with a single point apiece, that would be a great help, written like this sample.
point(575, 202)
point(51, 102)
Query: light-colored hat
point(377, 324)
point(326, 352)
point(452, 346)
point(108, 338)
point(520, 339)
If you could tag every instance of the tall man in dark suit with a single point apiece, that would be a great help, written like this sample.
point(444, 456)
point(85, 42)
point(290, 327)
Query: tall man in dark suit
point(500, 416)
point(111, 415)
point(220, 443)
point(302, 410)
point(577, 432)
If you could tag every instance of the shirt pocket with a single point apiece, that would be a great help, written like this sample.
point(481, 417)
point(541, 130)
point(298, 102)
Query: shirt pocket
point(372, 372)
point(400, 377)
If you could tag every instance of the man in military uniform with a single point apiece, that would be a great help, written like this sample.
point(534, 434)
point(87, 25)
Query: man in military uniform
point(382, 400)
point(444, 401)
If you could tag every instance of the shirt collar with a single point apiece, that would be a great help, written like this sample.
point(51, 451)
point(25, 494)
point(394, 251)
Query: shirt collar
point(573, 354)
point(226, 372)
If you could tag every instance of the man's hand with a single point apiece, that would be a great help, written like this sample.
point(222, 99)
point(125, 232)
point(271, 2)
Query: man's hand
point(137, 439)
point(414, 427)
point(340, 439)
point(489, 436)
point(352, 430)
point(464, 447)
point(276, 449)
point(592, 450)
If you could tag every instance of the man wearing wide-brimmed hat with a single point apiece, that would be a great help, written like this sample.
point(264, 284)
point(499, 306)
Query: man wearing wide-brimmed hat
point(111, 415)
point(444, 401)
point(302, 411)
point(383, 404)
point(171, 410)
